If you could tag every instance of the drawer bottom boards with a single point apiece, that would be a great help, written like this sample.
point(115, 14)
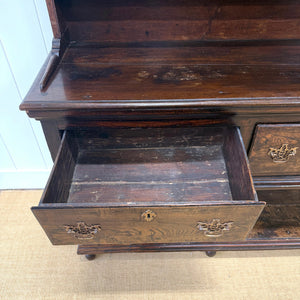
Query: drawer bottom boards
point(149, 186)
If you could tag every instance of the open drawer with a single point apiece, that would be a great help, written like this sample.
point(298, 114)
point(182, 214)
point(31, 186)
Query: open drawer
point(154, 185)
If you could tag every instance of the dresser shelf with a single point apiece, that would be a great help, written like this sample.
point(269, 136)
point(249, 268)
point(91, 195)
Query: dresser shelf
point(119, 77)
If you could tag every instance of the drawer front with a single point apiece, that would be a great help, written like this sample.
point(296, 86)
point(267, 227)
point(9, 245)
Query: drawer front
point(135, 225)
point(275, 150)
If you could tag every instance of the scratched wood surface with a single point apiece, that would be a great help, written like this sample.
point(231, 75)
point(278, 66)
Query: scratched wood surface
point(148, 76)
point(159, 174)
point(150, 165)
point(161, 165)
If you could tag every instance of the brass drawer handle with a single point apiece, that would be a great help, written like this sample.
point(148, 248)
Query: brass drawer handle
point(282, 154)
point(83, 231)
point(148, 215)
point(215, 228)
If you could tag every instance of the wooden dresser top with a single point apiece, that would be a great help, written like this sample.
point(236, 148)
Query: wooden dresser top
point(185, 53)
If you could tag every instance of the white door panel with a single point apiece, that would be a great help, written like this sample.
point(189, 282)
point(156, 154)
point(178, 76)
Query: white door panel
point(25, 40)
point(15, 127)
point(6, 161)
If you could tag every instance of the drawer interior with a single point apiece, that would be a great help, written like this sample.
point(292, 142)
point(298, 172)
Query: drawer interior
point(154, 166)
point(149, 185)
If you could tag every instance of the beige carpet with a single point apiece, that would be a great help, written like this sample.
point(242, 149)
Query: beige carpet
point(31, 268)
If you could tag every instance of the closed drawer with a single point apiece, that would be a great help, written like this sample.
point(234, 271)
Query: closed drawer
point(275, 150)
point(131, 186)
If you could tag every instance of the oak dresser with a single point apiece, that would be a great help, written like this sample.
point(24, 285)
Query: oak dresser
point(173, 125)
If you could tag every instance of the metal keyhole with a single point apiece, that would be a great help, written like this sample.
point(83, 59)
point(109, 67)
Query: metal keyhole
point(148, 215)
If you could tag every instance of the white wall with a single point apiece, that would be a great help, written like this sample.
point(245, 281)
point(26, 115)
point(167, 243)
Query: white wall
point(25, 41)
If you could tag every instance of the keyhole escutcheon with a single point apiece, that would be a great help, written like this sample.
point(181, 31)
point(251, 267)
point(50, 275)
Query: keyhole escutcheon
point(148, 215)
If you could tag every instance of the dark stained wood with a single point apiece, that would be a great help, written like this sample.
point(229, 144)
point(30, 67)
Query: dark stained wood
point(180, 165)
point(244, 117)
point(53, 137)
point(176, 165)
point(52, 64)
point(283, 196)
point(164, 85)
point(139, 31)
point(225, 78)
point(235, 158)
point(273, 231)
point(269, 136)
point(168, 53)
point(247, 119)
point(99, 138)
point(280, 218)
point(90, 256)
point(273, 244)
point(54, 18)
point(163, 164)
point(59, 183)
point(277, 182)
point(183, 20)
point(91, 10)
point(210, 253)
point(180, 84)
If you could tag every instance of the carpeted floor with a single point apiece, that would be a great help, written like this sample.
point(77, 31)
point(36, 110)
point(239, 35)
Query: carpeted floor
point(31, 268)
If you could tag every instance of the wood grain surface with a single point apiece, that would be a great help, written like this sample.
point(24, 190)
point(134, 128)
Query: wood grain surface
point(177, 78)
point(174, 224)
point(274, 136)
